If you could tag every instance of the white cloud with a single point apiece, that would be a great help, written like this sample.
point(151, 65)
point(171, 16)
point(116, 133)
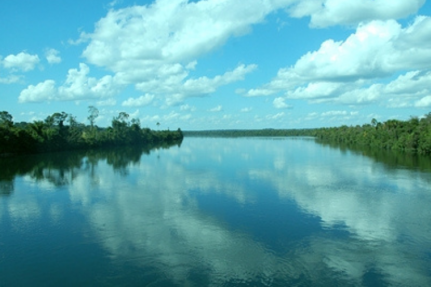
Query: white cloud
point(205, 85)
point(144, 100)
point(411, 83)
point(44, 91)
point(334, 12)
point(170, 31)
point(52, 56)
point(155, 46)
point(349, 71)
point(354, 94)
point(176, 90)
point(425, 102)
point(280, 104)
point(404, 91)
point(259, 92)
point(78, 86)
point(317, 90)
point(219, 108)
point(22, 61)
point(364, 54)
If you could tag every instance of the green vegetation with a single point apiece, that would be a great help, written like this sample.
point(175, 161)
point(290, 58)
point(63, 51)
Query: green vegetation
point(412, 136)
point(61, 131)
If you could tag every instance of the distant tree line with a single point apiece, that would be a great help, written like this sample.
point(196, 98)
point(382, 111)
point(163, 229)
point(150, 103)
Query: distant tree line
point(250, 133)
point(413, 135)
point(61, 131)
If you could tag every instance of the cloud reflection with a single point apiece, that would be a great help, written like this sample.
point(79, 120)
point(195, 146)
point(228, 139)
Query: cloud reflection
point(374, 222)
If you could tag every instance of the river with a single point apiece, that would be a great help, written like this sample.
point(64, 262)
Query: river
point(215, 212)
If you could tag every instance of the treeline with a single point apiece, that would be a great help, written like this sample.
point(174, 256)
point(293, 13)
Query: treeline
point(250, 133)
point(413, 135)
point(61, 131)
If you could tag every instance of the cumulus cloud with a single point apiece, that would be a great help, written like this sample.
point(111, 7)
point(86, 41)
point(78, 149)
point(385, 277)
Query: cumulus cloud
point(280, 104)
point(170, 31)
point(175, 89)
point(425, 102)
point(416, 82)
point(52, 56)
point(334, 12)
point(21, 62)
point(138, 102)
point(78, 86)
point(404, 91)
point(348, 71)
point(44, 91)
point(205, 85)
point(155, 46)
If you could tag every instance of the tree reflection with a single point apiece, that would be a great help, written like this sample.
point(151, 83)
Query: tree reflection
point(62, 168)
point(6, 187)
point(391, 159)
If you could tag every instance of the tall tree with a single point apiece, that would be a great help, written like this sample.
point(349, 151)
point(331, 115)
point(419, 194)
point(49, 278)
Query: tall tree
point(6, 120)
point(59, 119)
point(94, 113)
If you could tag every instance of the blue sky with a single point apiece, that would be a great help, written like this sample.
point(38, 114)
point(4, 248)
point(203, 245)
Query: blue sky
point(217, 64)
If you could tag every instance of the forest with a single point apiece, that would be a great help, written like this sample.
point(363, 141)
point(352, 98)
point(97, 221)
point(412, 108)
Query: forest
point(61, 131)
point(413, 135)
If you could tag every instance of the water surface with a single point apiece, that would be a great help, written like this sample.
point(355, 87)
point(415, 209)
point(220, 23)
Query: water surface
point(215, 212)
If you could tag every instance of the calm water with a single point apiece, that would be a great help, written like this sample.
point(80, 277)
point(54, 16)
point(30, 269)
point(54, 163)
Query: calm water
point(215, 212)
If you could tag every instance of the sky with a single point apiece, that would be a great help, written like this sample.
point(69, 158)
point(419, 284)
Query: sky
point(217, 64)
